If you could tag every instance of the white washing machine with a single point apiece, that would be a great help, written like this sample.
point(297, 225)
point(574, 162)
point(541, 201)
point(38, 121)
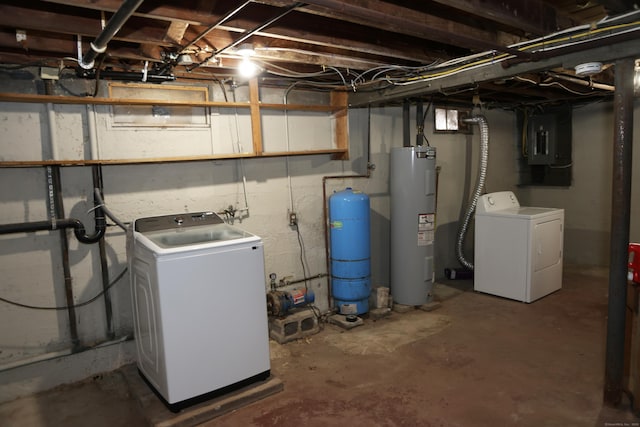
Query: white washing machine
point(518, 250)
point(200, 316)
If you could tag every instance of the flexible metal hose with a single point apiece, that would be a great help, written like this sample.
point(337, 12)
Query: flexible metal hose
point(482, 174)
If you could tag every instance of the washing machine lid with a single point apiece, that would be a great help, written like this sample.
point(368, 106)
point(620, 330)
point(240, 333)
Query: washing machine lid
point(191, 230)
point(191, 236)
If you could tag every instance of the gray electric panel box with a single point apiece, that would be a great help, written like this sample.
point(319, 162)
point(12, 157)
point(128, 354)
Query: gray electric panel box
point(542, 140)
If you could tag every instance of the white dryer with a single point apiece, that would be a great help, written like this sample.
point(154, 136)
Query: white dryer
point(518, 250)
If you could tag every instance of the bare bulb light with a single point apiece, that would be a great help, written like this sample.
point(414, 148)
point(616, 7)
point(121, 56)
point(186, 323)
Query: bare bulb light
point(247, 69)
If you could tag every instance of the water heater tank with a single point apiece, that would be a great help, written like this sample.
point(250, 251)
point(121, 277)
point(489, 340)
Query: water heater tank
point(413, 207)
point(350, 251)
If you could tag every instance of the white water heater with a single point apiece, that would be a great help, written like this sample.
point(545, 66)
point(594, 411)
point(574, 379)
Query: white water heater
point(413, 212)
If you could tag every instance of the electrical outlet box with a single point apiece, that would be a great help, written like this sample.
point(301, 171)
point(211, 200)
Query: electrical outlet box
point(293, 219)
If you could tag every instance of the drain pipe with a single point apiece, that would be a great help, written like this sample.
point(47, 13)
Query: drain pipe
point(99, 45)
point(482, 173)
point(57, 209)
point(406, 123)
point(620, 219)
point(63, 223)
point(102, 248)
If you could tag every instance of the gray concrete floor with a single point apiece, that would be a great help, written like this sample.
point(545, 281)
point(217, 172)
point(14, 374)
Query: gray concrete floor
point(478, 360)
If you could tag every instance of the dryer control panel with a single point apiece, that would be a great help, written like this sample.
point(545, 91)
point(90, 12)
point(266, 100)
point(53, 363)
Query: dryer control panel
point(497, 201)
point(180, 220)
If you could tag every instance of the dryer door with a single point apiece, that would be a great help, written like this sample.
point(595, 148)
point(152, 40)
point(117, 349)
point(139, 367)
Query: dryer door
point(547, 244)
point(547, 247)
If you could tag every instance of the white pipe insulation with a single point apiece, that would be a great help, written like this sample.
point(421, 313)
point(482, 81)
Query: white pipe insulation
point(482, 174)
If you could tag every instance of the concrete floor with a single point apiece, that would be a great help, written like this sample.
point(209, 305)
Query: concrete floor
point(479, 361)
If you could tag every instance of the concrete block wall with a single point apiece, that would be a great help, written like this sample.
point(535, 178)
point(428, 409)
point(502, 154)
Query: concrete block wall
point(30, 263)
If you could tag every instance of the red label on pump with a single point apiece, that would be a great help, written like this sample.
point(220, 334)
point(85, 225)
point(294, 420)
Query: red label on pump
point(298, 296)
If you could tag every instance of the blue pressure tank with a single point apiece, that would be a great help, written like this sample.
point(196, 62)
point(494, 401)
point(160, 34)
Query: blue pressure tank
point(350, 251)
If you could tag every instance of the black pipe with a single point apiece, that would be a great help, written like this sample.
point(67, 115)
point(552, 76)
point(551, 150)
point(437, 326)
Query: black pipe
point(58, 209)
point(620, 219)
point(104, 266)
point(406, 123)
point(125, 76)
point(54, 224)
point(419, 124)
point(99, 45)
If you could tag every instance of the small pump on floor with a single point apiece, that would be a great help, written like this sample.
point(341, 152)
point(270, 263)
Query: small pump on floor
point(280, 302)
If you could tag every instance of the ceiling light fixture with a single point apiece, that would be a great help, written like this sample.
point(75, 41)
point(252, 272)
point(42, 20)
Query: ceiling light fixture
point(588, 69)
point(246, 68)
point(185, 59)
point(246, 50)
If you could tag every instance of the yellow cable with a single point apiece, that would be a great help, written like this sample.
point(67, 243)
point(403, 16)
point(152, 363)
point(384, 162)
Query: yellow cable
point(523, 49)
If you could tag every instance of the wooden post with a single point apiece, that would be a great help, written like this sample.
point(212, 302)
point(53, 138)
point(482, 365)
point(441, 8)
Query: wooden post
point(256, 122)
point(339, 100)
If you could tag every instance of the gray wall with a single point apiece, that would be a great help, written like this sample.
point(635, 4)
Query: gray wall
point(30, 263)
point(587, 202)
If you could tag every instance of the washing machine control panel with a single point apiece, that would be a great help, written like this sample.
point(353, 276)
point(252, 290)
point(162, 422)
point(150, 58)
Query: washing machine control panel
point(497, 201)
point(181, 220)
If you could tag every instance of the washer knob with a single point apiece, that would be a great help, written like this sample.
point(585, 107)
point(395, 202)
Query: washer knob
point(179, 220)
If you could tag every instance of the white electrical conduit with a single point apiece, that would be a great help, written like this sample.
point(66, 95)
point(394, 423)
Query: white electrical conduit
point(53, 134)
point(93, 132)
point(482, 174)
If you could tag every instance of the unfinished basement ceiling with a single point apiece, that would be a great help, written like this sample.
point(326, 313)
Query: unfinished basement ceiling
point(357, 45)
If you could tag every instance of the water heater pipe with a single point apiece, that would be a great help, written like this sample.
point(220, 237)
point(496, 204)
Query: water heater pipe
point(482, 174)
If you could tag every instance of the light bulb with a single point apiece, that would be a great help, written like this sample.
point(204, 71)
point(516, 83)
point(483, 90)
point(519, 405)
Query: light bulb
point(247, 69)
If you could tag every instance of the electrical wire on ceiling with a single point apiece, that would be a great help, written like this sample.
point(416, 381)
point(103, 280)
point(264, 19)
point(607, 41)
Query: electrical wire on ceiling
point(395, 75)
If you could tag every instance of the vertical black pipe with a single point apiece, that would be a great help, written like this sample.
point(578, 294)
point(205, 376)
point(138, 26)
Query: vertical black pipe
point(66, 266)
point(104, 266)
point(620, 217)
point(419, 124)
point(406, 123)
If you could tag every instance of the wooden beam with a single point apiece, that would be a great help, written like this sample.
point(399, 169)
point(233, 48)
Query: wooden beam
point(532, 16)
point(178, 159)
point(256, 120)
point(339, 100)
point(398, 19)
point(37, 20)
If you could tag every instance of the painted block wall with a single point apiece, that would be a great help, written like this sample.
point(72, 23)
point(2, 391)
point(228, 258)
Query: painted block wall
point(30, 264)
point(587, 202)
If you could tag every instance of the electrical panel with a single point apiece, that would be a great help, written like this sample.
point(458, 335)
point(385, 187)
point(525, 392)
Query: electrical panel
point(546, 146)
point(542, 140)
